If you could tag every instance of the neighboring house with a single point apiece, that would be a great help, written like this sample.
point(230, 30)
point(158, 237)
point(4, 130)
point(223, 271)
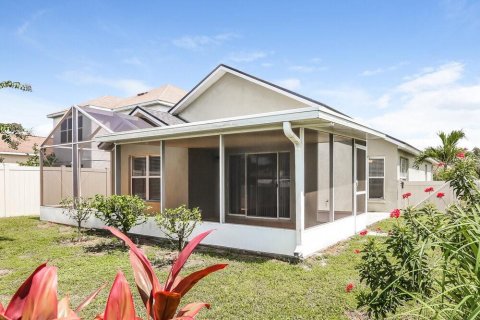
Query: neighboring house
point(272, 171)
point(23, 151)
point(391, 164)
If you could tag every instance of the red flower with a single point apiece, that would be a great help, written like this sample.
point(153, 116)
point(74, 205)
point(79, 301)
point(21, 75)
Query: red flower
point(349, 287)
point(460, 155)
point(357, 251)
point(429, 189)
point(441, 164)
point(363, 232)
point(407, 195)
point(395, 213)
point(440, 195)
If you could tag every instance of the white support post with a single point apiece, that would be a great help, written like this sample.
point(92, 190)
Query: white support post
point(162, 175)
point(331, 213)
point(299, 143)
point(222, 178)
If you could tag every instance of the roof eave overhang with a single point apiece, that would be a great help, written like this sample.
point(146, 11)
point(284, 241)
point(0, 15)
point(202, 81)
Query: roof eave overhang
point(309, 117)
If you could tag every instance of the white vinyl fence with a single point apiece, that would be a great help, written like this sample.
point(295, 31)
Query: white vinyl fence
point(19, 191)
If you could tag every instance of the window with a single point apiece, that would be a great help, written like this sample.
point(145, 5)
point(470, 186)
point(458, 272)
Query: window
point(403, 168)
point(259, 184)
point(376, 179)
point(146, 177)
point(66, 130)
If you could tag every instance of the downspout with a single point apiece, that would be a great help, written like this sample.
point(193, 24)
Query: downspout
point(299, 144)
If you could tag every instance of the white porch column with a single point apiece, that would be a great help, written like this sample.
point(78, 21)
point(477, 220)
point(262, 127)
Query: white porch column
point(299, 143)
point(162, 175)
point(222, 178)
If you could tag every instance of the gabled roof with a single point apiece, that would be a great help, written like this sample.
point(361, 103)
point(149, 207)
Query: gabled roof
point(24, 147)
point(167, 95)
point(221, 69)
point(160, 118)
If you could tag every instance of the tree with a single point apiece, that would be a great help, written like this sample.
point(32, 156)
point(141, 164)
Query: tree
point(445, 153)
point(33, 160)
point(15, 85)
point(14, 133)
point(78, 209)
point(178, 223)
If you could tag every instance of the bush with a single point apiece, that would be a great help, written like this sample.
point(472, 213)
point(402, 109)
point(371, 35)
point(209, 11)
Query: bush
point(120, 211)
point(178, 223)
point(78, 209)
point(430, 263)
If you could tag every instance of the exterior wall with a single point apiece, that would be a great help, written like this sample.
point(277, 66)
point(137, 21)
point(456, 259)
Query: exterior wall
point(382, 148)
point(415, 174)
point(251, 238)
point(19, 191)
point(327, 234)
point(233, 96)
point(420, 197)
point(13, 158)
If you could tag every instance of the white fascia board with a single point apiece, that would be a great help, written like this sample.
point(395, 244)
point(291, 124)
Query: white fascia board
point(15, 153)
point(263, 121)
point(236, 124)
point(144, 104)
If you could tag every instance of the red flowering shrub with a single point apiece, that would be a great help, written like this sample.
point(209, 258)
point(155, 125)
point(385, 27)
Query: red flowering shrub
point(440, 195)
point(357, 251)
point(429, 189)
point(460, 155)
point(349, 287)
point(363, 232)
point(407, 195)
point(395, 213)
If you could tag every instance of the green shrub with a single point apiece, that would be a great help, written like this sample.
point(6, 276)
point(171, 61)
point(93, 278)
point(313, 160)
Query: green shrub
point(178, 223)
point(78, 209)
point(429, 265)
point(120, 211)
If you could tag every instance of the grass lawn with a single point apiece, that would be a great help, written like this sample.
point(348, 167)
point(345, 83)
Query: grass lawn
point(251, 287)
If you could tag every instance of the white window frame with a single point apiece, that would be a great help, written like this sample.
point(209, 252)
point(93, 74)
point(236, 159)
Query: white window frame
point(147, 176)
point(377, 177)
point(402, 177)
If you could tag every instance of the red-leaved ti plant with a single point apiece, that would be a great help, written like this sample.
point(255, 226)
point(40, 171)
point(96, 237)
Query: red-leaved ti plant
point(37, 299)
point(162, 301)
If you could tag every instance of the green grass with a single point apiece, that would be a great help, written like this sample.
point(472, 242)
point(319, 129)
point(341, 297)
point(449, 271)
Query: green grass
point(251, 287)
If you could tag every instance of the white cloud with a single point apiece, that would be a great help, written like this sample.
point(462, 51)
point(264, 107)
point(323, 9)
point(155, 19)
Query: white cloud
point(247, 56)
point(290, 83)
point(200, 42)
point(128, 86)
point(431, 102)
point(28, 109)
point(373, 72)
point(306, 68)
point(347, 97)
point(23, 28)
point(442, 76)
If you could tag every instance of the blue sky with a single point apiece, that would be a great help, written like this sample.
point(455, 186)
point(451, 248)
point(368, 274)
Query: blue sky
point(409, 68)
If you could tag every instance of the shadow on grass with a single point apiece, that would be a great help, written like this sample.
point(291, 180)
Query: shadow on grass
point(6, 238)
point(106, 247)
point(169, 249)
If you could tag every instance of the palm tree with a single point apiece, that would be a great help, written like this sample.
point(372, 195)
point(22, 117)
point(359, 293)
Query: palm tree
point(446, 152)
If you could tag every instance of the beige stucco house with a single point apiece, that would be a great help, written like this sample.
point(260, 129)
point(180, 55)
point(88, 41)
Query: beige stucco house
point(272, 171)
point(391, 165)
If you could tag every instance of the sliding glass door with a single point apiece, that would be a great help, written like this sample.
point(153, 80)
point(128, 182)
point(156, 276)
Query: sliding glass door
point(260, 183)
